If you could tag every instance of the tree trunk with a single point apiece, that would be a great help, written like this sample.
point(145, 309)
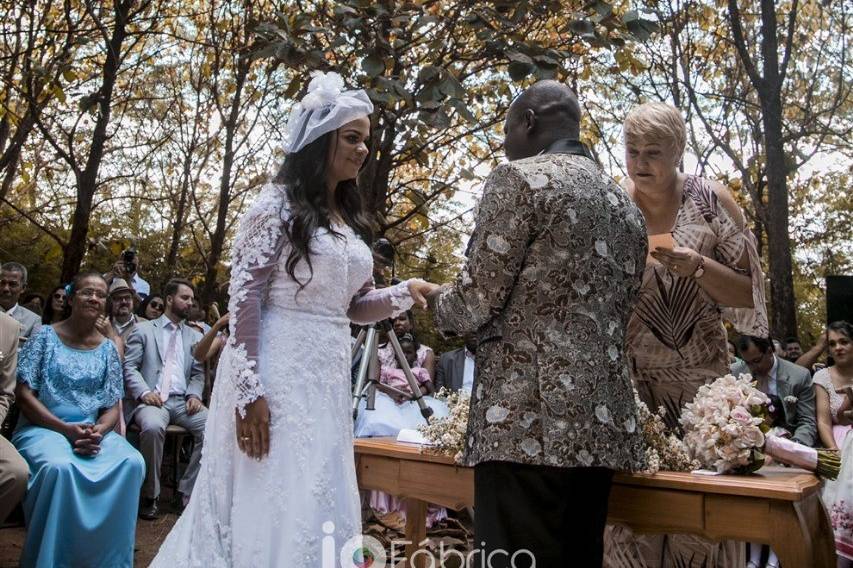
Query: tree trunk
point(180, 213)
point(87, 179)
point(784, 314)
point(768, 84)
point(217, 241)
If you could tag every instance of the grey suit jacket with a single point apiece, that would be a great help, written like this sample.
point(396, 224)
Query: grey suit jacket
point(793, 381)
point(450, 371)
point(9, 333)
point(143, 361)
point(29, 320)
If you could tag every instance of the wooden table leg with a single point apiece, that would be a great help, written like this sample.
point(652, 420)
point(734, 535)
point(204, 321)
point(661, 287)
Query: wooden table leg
point(802, 534)
point(416, 512)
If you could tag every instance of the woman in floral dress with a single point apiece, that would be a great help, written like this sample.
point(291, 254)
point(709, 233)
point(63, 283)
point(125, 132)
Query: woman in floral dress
point(834, 427)
point(707, 270)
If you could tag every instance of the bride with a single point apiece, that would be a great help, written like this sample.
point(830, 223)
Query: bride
point(277, 474)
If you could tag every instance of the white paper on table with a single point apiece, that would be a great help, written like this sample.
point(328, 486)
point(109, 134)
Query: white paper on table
point(705, 472)
point(409, 436)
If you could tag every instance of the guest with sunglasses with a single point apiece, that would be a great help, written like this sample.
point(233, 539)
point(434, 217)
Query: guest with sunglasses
point(55, 308)
point(152, 307)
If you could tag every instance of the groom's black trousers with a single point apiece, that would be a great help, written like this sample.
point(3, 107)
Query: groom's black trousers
point(558, 514)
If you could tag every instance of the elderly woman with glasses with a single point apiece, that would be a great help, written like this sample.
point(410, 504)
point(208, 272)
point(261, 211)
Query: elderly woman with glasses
point(84, 482)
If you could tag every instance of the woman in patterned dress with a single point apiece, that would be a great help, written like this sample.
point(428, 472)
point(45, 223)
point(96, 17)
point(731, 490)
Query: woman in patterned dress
point(834, 427)
point(710, 271)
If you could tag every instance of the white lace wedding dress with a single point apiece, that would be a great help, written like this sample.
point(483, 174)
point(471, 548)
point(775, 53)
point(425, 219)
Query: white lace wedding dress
point(292, 347)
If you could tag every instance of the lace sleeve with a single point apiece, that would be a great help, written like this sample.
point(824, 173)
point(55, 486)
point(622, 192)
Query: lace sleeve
point(257, 248)
point(371, 304)
point(31, 360)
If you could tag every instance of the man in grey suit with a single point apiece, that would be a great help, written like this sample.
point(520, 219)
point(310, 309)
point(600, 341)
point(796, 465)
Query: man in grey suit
point(13, 283)
point(163, 385)
point(790, 383)
point(14, 471)
point(456, 369)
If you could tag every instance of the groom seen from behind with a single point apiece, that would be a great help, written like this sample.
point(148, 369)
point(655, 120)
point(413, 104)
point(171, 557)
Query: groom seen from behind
point(552, 273)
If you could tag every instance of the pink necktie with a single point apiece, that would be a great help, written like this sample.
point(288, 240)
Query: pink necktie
point(168, 365)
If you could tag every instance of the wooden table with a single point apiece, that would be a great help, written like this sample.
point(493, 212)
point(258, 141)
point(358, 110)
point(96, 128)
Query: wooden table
point(778, 506)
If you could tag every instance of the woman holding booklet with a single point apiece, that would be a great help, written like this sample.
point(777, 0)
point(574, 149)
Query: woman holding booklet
point(702, 267)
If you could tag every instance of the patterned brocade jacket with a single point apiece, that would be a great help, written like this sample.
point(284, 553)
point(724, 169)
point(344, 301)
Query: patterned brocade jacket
point(554, 267)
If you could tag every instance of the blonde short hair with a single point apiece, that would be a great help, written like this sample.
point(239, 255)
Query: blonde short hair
point(657, 122)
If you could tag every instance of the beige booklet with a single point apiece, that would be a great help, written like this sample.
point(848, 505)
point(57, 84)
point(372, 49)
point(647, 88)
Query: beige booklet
point(663, 240)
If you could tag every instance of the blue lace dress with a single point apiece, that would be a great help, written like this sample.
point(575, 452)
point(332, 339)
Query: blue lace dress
point(80, 511)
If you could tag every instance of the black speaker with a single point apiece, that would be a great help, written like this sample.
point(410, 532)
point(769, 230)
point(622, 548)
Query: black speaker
point(839, 298)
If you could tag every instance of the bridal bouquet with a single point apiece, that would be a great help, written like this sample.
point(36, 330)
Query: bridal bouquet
point(728, 428)
point(448, 434)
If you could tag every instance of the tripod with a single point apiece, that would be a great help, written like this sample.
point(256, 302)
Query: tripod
point(368, 370)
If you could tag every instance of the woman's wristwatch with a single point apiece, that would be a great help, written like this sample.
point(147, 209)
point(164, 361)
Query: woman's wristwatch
point(700, 268)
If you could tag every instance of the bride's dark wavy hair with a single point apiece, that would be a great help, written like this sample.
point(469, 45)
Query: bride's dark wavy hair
point(303, 174)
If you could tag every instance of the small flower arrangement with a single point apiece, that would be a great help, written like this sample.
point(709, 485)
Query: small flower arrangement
point(791, 399)
point(448, 434)
point(664, 450)
point(728, 428)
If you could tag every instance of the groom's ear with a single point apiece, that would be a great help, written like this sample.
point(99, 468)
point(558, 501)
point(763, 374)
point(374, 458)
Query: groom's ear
point(529, 118)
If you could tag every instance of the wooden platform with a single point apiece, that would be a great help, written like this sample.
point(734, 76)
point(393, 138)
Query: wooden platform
point(777, 506)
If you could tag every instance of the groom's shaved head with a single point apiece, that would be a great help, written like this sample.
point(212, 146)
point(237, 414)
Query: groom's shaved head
point(542, 114)
point(553, 101)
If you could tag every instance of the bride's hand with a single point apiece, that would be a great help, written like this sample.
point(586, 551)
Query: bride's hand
point(420, 289)
point(253, 431)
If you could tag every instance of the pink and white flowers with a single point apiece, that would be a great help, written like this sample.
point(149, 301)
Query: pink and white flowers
point(728, 428)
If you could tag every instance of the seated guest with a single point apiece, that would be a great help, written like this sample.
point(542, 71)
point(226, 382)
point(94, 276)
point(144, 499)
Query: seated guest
point(793, 349)
point(164, 385)
point(394, 411)
point(13, 469)
point(13, 282)
point(810, 358)
point(455, 369)
point(80, 507)
point(151, 307)
point(733, 355)
point(122, 317)
point(778, 378)
point(833, 424)
point(406, 414)
point(54, 310)
point(403, 324)
point(196, 318)
point(34, 303)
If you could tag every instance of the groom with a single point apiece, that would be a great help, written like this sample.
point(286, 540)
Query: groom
point(554, 267)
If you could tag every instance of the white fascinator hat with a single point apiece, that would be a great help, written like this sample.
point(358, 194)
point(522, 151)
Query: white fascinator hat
point(325, 108)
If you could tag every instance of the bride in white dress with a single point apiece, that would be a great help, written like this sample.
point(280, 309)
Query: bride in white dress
point(277, 473)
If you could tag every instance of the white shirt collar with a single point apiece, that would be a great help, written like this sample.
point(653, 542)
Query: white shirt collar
point(775, 368)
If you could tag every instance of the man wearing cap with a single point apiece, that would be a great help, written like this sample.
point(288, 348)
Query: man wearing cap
point(122, 317)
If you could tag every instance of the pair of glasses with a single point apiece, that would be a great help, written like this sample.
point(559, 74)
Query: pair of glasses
point(157, 305)
point(91, 293)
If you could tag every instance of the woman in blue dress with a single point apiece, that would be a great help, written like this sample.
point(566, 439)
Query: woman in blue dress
point(83, 490)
